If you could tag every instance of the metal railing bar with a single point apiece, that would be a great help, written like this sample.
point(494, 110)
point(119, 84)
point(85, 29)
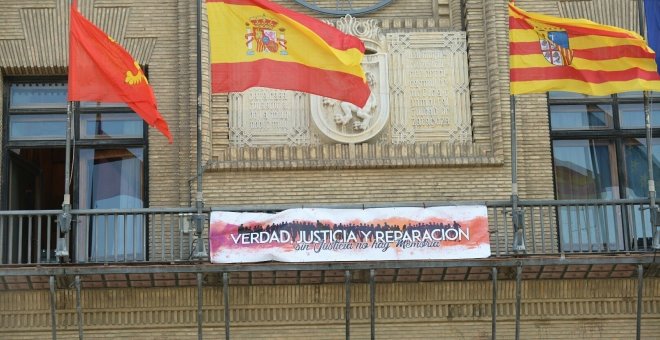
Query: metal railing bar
point(53, 314)
point(554, 230)
point(115, 228)
point(171, 236)
point(277, 207)
point(39, 225)
point(152, 240)
point(200, 299)
point(577, 227)
point(507, 244)
point(181, 221)
point(79, 307)
point(347, 289)
point(29, 212)
point(607, 224)
point(640, 287)
point(542, 225)
point(49, 229)
point(630, 224)
point(493, 307)
point(591, 239)
point(19, 253)
point(29, 240)
point(225, 298)
point(598, 230)
point(10, 237)
point(532, 236)
point(113, 211)
point(518, 299)
point(2, 238)
point(372, 302)
point(162, 239)
point(497, 232)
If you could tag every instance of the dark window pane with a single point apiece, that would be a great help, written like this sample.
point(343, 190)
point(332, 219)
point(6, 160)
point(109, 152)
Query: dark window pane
point(636, 186)
point(631, 116)
point(636, 167)
point(580, 117)
point(25, 96)
point(112, 179)
point(31, 127)
point(583, 169)
point(110, 125)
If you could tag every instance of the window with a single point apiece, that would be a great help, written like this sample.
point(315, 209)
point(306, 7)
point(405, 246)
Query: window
point(108, 170)
point(599, 152)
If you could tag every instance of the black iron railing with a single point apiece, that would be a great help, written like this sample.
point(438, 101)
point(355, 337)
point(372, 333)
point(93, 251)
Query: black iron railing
point(168, 234)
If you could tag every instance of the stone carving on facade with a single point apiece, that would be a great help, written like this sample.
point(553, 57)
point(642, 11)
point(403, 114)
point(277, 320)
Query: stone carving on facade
point(344, 122)
point(261, 116)
point(429, 88)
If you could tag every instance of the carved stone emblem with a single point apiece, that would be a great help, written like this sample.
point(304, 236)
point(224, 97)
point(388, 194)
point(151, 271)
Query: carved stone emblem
point(345, 122)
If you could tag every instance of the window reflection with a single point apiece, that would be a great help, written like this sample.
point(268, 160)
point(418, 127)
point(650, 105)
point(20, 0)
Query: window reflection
point(38, 126)
point(631, 116)
point(110, 125)
point(586, 116)
point(112, 178)
point(600, 154)
point(41, 95)
point(585, 169)
point(636, 186)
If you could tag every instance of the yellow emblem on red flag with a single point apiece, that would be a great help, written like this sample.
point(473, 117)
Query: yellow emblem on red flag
point(101, 70)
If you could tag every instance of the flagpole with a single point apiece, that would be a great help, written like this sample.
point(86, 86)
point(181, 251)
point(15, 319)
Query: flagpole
point(516, 212)
point(64, 219)
point(200, 249)
point(649, 141)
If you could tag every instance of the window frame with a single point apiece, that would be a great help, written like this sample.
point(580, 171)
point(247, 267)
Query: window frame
point(614, 134)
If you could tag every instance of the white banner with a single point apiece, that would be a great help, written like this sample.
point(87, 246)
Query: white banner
point(327, 235)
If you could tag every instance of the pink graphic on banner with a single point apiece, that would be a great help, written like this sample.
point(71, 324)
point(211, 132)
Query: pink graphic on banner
point(327, 235)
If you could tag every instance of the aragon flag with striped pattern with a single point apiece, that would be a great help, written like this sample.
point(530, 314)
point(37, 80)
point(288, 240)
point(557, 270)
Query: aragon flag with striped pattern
point(257, 43)
point(576, 55)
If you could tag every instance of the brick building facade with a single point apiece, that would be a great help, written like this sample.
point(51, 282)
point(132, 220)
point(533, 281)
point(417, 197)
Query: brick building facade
point(564, 294)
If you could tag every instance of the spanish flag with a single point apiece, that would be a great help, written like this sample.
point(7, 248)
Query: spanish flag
point(260, 43)
point(576, 55)
point(101, 70)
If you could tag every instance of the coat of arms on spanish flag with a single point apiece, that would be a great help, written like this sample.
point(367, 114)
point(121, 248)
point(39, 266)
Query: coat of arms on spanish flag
point(260, 43)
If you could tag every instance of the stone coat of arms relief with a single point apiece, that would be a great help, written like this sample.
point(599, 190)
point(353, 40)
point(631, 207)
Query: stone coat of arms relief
point(343, 122)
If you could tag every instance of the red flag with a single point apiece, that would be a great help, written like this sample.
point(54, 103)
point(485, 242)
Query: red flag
point(101, 70)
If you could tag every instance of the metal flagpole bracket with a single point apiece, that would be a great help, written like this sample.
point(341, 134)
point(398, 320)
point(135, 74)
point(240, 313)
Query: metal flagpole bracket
point(200, 246)
point(64, 226)
point(518, 219)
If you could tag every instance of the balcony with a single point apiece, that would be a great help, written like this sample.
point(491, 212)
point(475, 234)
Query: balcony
point(157, 235)
point(157, 247)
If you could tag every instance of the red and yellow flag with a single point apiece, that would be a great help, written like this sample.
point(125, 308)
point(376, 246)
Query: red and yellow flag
point(576, 55)
point(101, 70)
point(260, 43)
